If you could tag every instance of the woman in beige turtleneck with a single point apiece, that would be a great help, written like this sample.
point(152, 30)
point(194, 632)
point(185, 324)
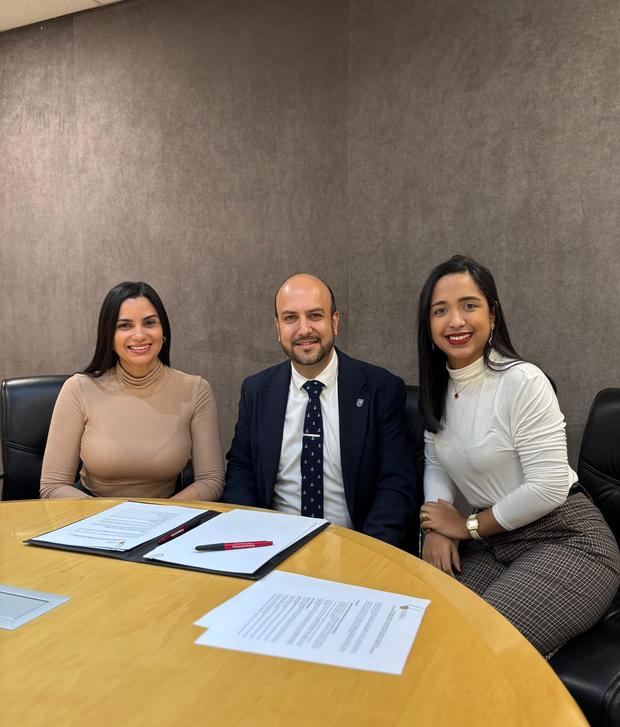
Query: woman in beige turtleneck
point(131, 419)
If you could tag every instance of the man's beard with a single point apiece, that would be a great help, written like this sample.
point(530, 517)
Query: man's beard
point(323, 351)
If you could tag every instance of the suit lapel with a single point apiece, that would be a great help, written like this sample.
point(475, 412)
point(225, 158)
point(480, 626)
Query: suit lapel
point(271, 412)
point(354, 407)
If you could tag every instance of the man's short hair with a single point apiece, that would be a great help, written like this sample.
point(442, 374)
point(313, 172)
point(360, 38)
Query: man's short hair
point(331, 295)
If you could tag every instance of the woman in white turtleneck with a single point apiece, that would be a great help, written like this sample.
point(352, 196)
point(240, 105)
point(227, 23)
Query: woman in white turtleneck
point(535, 546)
point(129, 418)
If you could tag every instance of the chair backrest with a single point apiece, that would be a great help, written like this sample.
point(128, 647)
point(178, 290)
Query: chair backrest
point(599, 457)
point(417, 436)
point(27, 405)
point(185, 478)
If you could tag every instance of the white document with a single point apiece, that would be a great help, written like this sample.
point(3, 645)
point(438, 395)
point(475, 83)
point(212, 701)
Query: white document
point(121, 527)
point(315, 620)
point(235, 526)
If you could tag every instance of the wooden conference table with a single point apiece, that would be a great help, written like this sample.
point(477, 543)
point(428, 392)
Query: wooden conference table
point(121, 651)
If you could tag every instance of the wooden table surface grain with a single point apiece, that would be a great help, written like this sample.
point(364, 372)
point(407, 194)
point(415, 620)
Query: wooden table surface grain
point(121, 651)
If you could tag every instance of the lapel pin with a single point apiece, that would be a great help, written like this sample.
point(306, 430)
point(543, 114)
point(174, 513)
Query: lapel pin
point(359, 402)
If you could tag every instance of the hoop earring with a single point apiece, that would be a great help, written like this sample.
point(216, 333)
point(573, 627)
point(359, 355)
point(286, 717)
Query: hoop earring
point(163, 340)
point(491, 336)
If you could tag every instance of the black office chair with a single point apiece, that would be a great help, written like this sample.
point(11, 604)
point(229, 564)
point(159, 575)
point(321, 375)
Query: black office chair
point(27, 405)
point(185, 478)
point(417, 438)
point(589, 665)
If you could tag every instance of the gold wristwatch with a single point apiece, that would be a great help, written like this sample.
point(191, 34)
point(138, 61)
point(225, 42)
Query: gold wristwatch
point(472, 526)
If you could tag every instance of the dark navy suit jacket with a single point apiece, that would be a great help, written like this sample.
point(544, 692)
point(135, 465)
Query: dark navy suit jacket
point(375, 449)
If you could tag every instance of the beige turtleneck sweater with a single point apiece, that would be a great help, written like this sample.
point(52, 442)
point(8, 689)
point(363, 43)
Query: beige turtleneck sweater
point(134, 436)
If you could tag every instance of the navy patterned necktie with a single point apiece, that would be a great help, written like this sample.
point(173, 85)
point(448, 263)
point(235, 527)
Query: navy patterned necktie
point(312, 453)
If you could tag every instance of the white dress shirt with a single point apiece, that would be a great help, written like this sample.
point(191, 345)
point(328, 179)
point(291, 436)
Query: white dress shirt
point(287, 489)
point(502, 444)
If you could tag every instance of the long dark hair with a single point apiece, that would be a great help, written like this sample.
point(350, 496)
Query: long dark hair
point(432, 361)
point(105, 357)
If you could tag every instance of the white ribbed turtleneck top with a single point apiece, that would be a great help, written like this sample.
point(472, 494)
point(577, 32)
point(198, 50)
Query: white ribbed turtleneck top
point(503, 444)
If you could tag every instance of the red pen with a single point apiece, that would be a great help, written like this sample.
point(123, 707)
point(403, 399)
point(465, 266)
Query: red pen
point(235, 546)
point(166, 538)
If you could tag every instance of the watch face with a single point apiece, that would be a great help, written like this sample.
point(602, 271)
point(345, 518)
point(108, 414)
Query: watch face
point(472, 524)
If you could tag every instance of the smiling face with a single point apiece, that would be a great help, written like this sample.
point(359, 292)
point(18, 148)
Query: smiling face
point(460, 319)
point(138, 337)
point(305, 324)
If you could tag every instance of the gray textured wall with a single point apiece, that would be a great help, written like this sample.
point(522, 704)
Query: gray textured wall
point(212, 147)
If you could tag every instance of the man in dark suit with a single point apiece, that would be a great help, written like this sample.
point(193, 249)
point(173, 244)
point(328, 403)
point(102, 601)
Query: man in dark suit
point(323, 435)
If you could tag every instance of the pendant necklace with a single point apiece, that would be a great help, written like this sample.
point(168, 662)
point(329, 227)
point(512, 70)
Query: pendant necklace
point(456, 393)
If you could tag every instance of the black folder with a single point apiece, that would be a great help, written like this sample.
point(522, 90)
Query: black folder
point(136, 555)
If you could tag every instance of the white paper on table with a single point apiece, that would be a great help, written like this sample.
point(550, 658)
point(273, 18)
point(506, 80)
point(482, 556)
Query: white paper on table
point(311, 619)
point(121, 527)
point(235, 526)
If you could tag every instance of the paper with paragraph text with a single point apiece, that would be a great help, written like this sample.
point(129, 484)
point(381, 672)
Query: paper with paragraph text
point(311, 619)
point(121, 527)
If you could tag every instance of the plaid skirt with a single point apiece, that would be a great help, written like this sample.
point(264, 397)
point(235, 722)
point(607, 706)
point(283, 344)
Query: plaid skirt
point(552, 579)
